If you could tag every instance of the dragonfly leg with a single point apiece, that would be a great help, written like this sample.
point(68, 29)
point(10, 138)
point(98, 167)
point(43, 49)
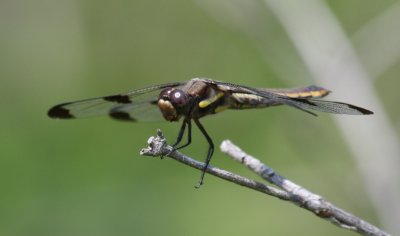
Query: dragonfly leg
point(180, 136)
point(189, 137)
point(209, 153)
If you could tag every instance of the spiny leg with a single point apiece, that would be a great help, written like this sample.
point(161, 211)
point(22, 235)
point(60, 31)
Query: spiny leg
point(209, 153)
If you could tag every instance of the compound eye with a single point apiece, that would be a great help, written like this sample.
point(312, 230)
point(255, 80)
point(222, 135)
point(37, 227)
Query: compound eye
point(165, 93)
point(178, 97)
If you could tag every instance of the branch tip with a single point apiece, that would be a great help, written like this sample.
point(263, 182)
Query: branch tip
point(157, 145)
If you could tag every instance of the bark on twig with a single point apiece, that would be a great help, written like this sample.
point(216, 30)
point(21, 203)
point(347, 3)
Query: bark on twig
point(301, 196)
point(291, 191)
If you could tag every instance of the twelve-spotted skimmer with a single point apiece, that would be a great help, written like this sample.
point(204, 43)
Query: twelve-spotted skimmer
point(196, 98)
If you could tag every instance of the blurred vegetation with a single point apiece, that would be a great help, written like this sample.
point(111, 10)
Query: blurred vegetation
point(85, 177)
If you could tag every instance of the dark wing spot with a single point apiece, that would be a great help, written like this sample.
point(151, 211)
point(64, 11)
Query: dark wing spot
point(60, 112)
point(120, 115)
point(124, 99)
point(360, 109)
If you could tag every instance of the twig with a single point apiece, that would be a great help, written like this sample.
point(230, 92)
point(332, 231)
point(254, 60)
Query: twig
point(301, 196)
point(291, 191)
point(158, 147)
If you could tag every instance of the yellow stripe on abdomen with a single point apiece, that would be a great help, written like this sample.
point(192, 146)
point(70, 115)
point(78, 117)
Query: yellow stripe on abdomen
point(306, 94)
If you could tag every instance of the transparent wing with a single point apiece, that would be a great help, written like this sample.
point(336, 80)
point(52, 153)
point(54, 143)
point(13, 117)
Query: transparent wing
point(307, 104)
point(301, 98)
point(327, 106)
point(137, 112)
point(140, 104)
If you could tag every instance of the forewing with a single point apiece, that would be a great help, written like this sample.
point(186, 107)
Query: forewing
point(307, 104)
point(137, 112)
point(328, 106)
point(141, 103)
point(304, 100)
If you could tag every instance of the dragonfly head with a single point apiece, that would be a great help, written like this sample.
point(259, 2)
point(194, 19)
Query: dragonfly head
point(172, 103)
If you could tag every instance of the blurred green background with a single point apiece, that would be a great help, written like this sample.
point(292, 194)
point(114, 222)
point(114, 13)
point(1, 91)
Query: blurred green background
point(85, 177)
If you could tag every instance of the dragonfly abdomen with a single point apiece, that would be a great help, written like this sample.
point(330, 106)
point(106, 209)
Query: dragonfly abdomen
point(247, 101)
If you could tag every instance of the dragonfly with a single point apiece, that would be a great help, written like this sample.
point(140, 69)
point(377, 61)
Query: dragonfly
point(193, 99)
